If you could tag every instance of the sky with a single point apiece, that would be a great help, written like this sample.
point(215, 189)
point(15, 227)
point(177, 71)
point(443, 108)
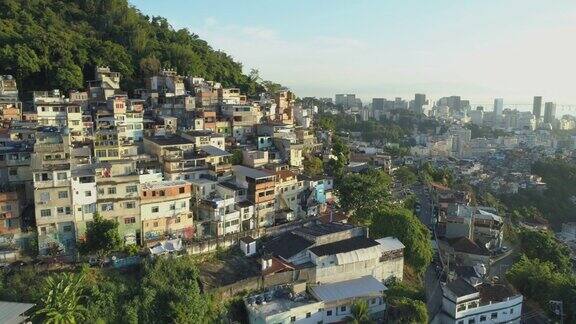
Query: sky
point(480, 50)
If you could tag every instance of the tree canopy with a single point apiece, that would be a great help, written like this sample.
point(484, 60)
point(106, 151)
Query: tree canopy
point(360, 191)
point(50, 44)
point(544, 246)
point(402, 224)
point(102, 236)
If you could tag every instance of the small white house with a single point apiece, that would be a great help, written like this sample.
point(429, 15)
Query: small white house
point(248, 245)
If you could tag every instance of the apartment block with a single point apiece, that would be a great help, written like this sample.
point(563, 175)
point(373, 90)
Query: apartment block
point(165, 210)
point(260, 190)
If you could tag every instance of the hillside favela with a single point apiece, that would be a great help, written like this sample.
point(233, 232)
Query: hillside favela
point(287, 162)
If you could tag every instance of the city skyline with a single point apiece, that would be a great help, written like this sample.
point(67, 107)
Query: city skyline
point(472, 49)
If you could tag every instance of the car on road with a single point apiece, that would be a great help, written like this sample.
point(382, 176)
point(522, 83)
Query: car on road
point(504, 249)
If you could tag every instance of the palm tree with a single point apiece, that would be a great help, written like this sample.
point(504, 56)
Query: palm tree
point(359, 314)
point(61, 301)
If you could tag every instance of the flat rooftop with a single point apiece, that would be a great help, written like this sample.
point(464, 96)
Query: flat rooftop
point(317, 230)
point(276, 300)
point(390, 243)
point(168, 140)
point(163, 184)
point(252, 173)
point(348, 245)
point(364, 286)
point(214, 151)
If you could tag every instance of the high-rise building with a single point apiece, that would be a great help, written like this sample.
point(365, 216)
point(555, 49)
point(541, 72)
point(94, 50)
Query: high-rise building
point(350, 100)
point(346, 100)
point(549, 112)
point(537, 107)
point(419, 102)
point(339, 99)
point(378, 104)
point(498, 107)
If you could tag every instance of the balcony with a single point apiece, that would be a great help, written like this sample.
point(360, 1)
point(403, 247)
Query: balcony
point(264, 185)
point(50, 183)
point(220, 168)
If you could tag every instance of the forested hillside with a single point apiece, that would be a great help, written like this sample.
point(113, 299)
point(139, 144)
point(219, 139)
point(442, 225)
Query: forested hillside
point(56, 44)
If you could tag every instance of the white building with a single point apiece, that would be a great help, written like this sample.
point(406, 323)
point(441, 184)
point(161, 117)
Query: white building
point(328, 303)
point(487, 303)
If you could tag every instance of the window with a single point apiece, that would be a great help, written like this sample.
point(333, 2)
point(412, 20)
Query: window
point(155, 224)
point(483, 318)
point(131, 189)
point(343, 308)
point(155, 209)
point(67, 228)
point(130, 205)
point(493, 315)
point(329, 313)
point(13, 172)
point(88, 193)
point(173, 207)
point(45, 213)
point(461, 307)
point(61, 176)
point(293, 319)
point(60, 210)
point(181, 189)
point(162, 193)
point(91, 208)
point(373, 301)
point(461, 322)
point(130, 220)
point(177, 220)
point(473, 304)
point(62, 194)
point(107, 207)
point(112, 191)
point(472, 321)
point(308, 315)
point(511, 310)
point(44, 196)
point(183, 204)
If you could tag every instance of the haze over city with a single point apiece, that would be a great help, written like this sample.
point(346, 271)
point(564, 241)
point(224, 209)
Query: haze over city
point(480, 50)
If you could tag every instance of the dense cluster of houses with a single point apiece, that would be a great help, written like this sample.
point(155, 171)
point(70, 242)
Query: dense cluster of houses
point(182, 158)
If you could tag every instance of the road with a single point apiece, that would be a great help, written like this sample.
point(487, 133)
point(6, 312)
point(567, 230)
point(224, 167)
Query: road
point(423, 197)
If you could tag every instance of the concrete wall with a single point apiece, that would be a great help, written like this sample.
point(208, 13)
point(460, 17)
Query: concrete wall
point(207, 246)
point(261, 282)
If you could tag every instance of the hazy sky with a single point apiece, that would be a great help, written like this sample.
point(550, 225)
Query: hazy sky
point(477, 49)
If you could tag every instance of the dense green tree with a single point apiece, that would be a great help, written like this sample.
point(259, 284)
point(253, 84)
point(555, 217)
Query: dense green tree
point(102, 237)
point(406, 176)
point(313, 166)
point(541, 282)
point(150, 66)
point(406, 310)
point(15, 285)
point(236, 157)
point(544, 246)
point(61, 301)
point(169, 292)
point(57, 43)
point(359, 314)
point(402, 224)
point(361, 191)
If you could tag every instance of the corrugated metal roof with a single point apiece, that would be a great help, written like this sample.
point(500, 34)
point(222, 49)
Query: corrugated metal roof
point(364, 286)
point(390, 243)
point(10, 313)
